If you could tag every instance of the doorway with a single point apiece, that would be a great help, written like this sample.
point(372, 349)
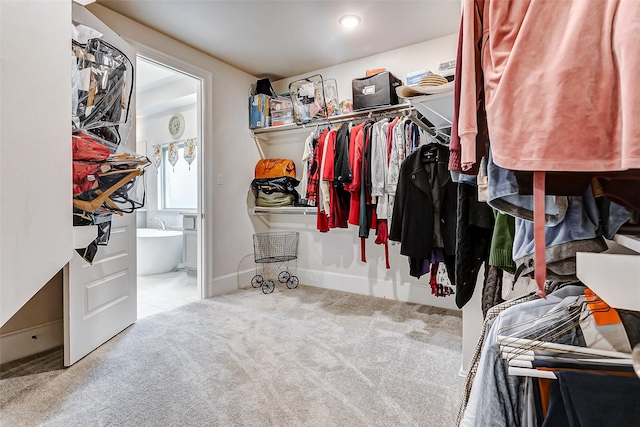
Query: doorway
point(169, 132)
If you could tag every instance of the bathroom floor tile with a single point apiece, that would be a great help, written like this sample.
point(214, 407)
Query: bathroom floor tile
point(145, 310)
point(165, 291)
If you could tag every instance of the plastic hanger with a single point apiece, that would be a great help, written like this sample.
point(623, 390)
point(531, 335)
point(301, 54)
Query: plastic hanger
point(520, 352)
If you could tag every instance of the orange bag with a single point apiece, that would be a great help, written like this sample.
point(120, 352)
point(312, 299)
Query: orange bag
point(274, 168)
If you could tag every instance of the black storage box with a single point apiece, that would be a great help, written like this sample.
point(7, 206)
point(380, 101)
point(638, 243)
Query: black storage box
point(375, 91)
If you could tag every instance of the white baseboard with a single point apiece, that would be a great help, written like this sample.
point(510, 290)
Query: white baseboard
point(230, 282)
point(19, 344)
point(462, 373)
point(462, 378)
point(407, 292)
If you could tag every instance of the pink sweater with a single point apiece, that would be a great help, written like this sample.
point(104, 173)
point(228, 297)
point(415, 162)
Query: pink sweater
point(560, 81)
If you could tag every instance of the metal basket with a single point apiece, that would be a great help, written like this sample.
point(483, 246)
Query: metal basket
point(276, 247)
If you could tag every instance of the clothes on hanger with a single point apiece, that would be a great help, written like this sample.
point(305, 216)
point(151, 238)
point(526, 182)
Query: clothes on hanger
point(495, 397)
point(313, 179)
point(327, 171)
point(597, 143)
point(593, 139)
point(367, 218)
point(492, 313)
point(355, 160)
point(322, 220)
point(474, 228)
point(339, 197)
point(423, 194)
point(351, 174)
point(307, 158)
point(570, 329)
point(397, 155)
point(587, 399)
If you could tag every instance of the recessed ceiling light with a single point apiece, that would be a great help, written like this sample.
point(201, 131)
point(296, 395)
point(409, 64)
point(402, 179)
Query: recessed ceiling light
point(350, 21)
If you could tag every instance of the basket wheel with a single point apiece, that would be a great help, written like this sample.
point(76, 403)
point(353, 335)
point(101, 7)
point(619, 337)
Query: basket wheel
point(293, 282)
point(268, 286)
point(257, 280)
point(284, 276)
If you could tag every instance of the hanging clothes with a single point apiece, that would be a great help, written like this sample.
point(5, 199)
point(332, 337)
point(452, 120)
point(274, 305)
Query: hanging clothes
point(495, 397)
point(340, 198)
point(367, 218)
point(571, 329)
point(355, 161)
point(322, 220)
point(379, 171)
point(590, 109)
point(307, 158)
point(492, 313)
point(313, 180)
point(379, 166)
point(423, 175)
point(326, 170)
point(473, 241)
point(396, 157)
point(343, 173)
point(585, 399)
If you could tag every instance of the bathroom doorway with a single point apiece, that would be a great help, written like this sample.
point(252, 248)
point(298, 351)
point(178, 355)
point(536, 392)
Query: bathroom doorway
point(169, 125)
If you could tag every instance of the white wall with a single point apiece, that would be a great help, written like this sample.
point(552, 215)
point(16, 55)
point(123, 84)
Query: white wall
point(425, 55)
point(35, 149)
point(227, 149)
point(332, 260)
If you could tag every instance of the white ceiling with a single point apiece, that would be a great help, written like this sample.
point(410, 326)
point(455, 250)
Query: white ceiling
point(160, 89)
point(279, 39)
point(154, 75)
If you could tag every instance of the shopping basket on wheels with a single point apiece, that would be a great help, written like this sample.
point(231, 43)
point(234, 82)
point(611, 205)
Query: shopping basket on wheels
point(279, 248)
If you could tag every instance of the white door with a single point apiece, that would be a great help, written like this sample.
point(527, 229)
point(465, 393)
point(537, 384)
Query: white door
point(100, 299)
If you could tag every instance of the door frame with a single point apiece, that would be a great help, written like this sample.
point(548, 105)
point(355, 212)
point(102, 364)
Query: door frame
point(205, 124)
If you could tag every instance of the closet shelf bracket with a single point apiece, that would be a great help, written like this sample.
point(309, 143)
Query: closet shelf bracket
point(437, 108)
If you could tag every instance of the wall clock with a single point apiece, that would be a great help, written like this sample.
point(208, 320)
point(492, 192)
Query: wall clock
point(176, 126)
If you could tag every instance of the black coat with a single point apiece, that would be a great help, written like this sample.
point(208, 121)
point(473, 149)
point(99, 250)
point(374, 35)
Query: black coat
point(474, 231)
point(413, 211)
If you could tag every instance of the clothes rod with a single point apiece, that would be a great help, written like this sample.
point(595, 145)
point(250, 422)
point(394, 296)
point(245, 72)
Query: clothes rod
point(286, 210)
point(388, 111)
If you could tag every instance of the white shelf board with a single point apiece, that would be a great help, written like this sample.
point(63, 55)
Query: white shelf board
point(293, 128)
point(292, 210)
point(631, 241)
point(437, 108)
point(613, 277)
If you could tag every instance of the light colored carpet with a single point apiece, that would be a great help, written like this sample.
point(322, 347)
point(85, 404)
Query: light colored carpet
point(302, 357)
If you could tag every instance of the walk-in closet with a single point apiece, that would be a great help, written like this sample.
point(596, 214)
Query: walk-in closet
point(407, 213)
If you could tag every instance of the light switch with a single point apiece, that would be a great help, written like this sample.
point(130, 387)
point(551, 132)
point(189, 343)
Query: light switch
point(220, 179)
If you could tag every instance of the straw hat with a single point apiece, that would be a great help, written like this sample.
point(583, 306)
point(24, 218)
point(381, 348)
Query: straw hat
point(428, 85)
point(432, 80)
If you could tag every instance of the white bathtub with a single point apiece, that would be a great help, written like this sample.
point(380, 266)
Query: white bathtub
point(159, 251)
